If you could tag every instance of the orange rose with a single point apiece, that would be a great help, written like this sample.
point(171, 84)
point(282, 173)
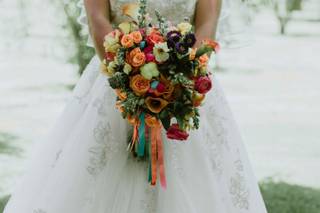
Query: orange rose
point(152, 121)
point(137, 37)
point(136, 58)
point(122, 95)
point(127, 41)
point(139, 84)
point(155, 105)
point(211, 43)
point(155, 37)
point(169, 88)
point(203, 60)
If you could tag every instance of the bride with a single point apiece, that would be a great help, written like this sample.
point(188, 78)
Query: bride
point(84, 166)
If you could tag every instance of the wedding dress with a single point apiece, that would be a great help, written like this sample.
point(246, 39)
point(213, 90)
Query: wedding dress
point(84, 166)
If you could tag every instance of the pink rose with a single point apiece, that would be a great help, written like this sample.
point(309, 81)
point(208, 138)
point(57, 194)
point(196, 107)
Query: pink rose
point(148, 49)
point(150, 57)
point(175, 133)
point(203, 84)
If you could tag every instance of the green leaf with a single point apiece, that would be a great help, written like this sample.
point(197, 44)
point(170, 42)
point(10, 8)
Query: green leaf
point(165, 118)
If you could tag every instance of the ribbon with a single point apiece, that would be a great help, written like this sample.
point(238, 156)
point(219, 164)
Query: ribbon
point(157, 157)
point(149, 137)
point(142, 135)
point(134, 135)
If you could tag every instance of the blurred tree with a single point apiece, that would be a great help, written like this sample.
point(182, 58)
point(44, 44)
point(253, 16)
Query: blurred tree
point(82, 53)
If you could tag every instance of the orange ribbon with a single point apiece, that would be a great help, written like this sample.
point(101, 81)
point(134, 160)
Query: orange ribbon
point(135, 134)
point(157, 157)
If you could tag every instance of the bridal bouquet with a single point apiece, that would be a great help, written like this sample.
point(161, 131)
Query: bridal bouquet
point(160, 79)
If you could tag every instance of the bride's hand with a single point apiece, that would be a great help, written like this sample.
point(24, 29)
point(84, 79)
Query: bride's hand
point(99, 22)
point(206, 19)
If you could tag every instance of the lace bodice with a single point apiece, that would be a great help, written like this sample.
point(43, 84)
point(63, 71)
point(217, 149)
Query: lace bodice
point(174, 10)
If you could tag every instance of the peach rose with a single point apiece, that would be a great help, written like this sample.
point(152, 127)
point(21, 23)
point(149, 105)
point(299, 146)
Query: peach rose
point(139, 85)
point(127, 41)
point(136, 57)
point(152, 121)
point(155, 105)
point(203, 60)
point(137, 37)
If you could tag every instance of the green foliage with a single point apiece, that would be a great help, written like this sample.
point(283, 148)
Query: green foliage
point(142, 13)
point(286, 198)
point(3, 202)
point(132, 103)
point(119, 80)
point(163, 23)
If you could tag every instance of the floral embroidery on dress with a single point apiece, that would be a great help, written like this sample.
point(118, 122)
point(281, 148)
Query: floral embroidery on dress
point(238, 188)
point(175, 160)
point(39, 211)
point(105, 146)
point(149, 204)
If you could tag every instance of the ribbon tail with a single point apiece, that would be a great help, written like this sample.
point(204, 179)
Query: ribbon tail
point(163, 180)
point(134, 136)
point(142, 136)
point(153, 156)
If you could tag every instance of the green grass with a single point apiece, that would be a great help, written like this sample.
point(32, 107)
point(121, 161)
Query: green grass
point(286, 198)
point(279, 198)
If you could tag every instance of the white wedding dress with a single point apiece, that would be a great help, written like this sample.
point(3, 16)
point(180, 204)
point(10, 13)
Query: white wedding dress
point(84, 166)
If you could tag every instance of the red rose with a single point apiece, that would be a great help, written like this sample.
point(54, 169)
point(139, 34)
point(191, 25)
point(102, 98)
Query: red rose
point(203, 84)
point(161, 87)
point(175, 133)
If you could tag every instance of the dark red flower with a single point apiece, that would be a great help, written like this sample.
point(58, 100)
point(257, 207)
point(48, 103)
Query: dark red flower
point(175, 133)
point(203, 84)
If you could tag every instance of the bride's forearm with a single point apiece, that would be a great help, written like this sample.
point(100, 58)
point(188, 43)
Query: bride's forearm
point(99, 23)
point(206, 19)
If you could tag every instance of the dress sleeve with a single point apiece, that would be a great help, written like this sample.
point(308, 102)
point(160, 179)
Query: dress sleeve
point(83, 21)
point(234, 24)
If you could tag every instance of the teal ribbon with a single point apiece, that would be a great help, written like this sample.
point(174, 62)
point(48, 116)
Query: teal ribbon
point(142, 135)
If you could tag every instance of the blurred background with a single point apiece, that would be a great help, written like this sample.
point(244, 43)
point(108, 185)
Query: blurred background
point(270, 75)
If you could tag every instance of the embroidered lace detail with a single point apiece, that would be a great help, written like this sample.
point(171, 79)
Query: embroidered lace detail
point(39, 211)
point(175, 160)
point(149, 204)
point(238, 188)
point(105, 146)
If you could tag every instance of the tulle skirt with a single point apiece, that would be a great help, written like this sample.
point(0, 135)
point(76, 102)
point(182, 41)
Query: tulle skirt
point(84, 166)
